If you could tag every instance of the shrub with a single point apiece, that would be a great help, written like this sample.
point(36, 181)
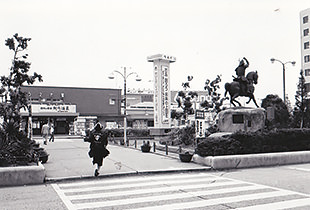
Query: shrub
point(277, 140)
point(185, 136)
point(15, 147)
point(130, 132)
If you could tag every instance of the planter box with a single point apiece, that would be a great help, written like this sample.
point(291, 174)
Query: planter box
point(22, 175)
point(145, 148)
point(185, 157)
point(253, 160)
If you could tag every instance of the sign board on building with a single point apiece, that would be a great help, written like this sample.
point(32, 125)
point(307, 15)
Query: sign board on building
point(51, 108)
point(200, 128)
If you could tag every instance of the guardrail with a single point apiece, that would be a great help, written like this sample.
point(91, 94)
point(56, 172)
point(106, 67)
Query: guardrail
point(137, 142)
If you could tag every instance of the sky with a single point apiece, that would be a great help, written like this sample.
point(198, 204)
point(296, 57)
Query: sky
point(78, 43)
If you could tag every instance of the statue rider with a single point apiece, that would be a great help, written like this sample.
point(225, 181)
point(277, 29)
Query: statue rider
point(240, 72)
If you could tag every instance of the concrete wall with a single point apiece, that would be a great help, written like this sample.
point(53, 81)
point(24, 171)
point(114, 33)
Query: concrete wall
point(22, 175)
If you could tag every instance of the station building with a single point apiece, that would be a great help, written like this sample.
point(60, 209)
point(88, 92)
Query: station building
point(71, 109)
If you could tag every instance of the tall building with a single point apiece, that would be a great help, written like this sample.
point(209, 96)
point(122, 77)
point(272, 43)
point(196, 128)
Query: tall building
point(305, 46)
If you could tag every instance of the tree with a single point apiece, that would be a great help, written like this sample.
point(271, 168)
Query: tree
point(301, 112)
point(216, 101)
point(15, 147)
point(185, 101)
point(281, 113)
point(13, 99)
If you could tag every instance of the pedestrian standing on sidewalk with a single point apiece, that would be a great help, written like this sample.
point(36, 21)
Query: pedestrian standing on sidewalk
point(44, 132)
point(98, 142)
point(52, 133)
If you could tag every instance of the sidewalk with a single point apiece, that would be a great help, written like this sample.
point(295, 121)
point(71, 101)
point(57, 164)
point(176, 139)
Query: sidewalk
point(68, 159)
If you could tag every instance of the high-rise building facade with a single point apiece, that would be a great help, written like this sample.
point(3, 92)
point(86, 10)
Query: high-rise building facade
point(305, 45)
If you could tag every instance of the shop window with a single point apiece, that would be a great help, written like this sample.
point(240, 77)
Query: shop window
point(238, 119)
point(306, 32)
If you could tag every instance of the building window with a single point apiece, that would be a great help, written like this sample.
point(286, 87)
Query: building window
point(112, 101)
point(307, 72)
point(307, 58)
point(238, 119)
point(306, 45)
point(305, 19)
point(306, 32)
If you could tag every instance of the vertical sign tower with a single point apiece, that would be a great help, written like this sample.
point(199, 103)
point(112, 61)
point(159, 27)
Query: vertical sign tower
point(162, 94)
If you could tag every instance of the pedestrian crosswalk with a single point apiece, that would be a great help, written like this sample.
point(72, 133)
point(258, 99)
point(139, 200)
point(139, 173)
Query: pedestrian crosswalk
point(176, 191)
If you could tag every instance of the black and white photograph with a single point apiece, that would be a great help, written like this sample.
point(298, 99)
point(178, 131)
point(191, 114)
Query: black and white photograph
point(154, 104)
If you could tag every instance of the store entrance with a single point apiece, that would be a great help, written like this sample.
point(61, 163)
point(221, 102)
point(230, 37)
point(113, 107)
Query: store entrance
point(61, 126)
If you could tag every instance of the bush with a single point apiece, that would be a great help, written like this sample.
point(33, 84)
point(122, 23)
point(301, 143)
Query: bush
point(15, 147)
point(130, 132)
point(277, 140)
point(183, 136)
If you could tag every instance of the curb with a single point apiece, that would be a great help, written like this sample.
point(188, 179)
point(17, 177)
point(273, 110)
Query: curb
point(63, 179)
point(253, 160)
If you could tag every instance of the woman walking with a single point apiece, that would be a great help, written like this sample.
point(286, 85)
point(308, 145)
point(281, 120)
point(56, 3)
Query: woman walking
point(98, 143)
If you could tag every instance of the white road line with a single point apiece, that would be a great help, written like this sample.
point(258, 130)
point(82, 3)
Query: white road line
point(280, 205)
point(172, 188)
point(186, 182)
point(180, 195)
point(131, 179)
point(300, 169)
point(182, 205)
point(275, 188)
point(63, 197)
point(141, 184)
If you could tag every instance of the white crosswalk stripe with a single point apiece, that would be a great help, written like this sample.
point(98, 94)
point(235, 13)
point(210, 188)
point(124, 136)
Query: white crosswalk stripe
point(176, 191)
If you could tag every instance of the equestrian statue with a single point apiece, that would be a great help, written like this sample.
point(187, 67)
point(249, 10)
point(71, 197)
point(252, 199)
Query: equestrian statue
point(242, 85)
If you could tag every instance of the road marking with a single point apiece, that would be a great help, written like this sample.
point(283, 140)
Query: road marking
point(63, 197)
point(143, 184)
point(235, 186)
point(135, 179)
point(174, 192)
point(300, 169)
point(217, 201)
point(280, 205)
point(180, 195)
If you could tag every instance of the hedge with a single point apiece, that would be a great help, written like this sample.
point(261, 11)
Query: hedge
point(265, 141)
point(130, 132)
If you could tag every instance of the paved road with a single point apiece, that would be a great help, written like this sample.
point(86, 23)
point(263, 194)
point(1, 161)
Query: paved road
point(177, 191)
point(258, 188)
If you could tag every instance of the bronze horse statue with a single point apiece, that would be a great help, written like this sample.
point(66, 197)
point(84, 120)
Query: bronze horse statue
point(234, 89)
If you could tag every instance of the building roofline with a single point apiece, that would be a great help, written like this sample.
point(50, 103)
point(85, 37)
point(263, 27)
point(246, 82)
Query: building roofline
point(62, 87)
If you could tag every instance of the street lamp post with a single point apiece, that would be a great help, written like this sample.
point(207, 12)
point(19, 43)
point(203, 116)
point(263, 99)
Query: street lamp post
point(283, 67)
point(125, 76)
